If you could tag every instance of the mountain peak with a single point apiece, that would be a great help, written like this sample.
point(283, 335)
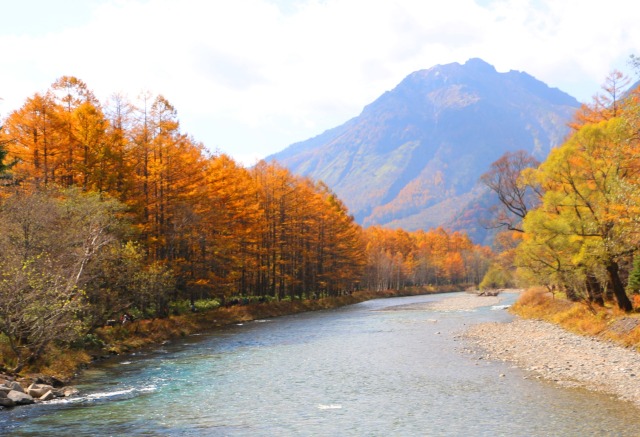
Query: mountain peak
point(472, 66)
point(412, 158)
point(478, 64)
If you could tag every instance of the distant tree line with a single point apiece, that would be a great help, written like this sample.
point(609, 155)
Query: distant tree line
point(397, 259)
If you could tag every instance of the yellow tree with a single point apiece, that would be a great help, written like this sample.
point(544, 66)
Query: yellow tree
point(583, 216)
point(116, 169)
point(229, 213)
point(74, 98)
point(90, 126)
point(343, 245)
point(32, 140)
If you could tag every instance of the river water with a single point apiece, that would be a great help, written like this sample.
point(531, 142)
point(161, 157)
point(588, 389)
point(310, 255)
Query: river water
point(385, 367)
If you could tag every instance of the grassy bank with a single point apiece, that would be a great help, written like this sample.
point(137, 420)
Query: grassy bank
point(606, 322)
point(122, 339)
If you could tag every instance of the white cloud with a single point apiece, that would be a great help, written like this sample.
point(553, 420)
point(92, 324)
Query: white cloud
point(252, 76)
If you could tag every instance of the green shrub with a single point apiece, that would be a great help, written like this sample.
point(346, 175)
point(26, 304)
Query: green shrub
point(496, 277)
point(89, 341)
point(207, 304)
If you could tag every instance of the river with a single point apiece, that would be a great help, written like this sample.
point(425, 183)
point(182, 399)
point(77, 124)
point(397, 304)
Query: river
point(385, 367)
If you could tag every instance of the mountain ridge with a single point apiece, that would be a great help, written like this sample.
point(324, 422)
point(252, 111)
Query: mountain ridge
point(428, 140)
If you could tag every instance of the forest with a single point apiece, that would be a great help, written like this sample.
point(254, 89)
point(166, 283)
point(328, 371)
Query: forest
point(109, 208)
point(575, 217)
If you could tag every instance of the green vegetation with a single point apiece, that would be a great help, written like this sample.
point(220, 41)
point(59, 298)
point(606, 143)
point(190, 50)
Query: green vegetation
point(576, 213)
point(496, 277)
point(577, 232)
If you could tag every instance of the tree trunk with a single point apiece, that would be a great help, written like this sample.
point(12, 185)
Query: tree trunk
point(618, 288)
point(571, 294)
point(594, 288)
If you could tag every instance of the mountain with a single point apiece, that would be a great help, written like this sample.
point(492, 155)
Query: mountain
point(413, 157)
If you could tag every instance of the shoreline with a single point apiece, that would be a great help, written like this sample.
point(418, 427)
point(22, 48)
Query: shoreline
point(542, 349)
point(122, 340)
point(550, 352)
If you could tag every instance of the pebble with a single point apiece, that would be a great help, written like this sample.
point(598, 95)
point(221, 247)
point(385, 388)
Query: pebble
point(552, 353)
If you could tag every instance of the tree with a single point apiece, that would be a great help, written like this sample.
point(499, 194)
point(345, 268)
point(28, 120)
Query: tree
point(496, 277)
point(38, 305)
point(47, 243)
point(224, 256)
point(3, 152)
point(605, 105)
point(116, 170)
point(32, 141)
point(80, 118)
point(587, 219)
point(90, 126)
point(516, 196)
point(4, 166)
point(396, 258)
point(634, 276)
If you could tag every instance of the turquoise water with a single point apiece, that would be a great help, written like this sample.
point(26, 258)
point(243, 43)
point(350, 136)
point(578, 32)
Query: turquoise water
point(379, 368)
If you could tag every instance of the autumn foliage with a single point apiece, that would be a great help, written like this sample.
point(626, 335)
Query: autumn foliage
point(583, 237)
point(221, 228)
point(396, 259)
point(176, 225)
point(165, 225)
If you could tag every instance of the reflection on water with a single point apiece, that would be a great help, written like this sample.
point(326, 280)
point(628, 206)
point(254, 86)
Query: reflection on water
point(352, 371)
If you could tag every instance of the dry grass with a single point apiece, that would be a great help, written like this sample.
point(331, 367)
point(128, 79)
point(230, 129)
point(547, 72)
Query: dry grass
point(121, 339)
point(537, 303)
point(63, 363)
point(630, 339)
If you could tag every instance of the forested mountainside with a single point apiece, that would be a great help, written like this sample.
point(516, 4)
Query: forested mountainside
point(413, 157)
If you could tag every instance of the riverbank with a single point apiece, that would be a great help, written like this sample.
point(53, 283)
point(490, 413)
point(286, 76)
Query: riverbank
point(65, 364)
point(553, 353)
point(571, 360)
point(360, 370)
point(122, 339)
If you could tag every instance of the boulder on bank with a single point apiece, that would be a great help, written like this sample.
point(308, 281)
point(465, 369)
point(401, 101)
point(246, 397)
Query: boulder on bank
point(48, 380)
point(6, 402)
point(13, 393)
point(47, 396)
point(20, 398)
point(38, 390)
point(65, 392)
point(14, 386)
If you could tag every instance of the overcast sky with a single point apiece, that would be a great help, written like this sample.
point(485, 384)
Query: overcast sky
point(250, 77)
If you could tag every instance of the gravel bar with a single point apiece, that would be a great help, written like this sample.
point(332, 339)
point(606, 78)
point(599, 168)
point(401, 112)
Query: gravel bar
point(550, 352)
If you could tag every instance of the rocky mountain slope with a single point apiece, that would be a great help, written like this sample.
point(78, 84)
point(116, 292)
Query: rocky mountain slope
point(413, 157)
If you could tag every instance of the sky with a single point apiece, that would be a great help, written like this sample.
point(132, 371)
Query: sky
point(250, 77)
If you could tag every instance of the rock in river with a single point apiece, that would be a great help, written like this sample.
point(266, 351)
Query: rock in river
point(20, 398)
